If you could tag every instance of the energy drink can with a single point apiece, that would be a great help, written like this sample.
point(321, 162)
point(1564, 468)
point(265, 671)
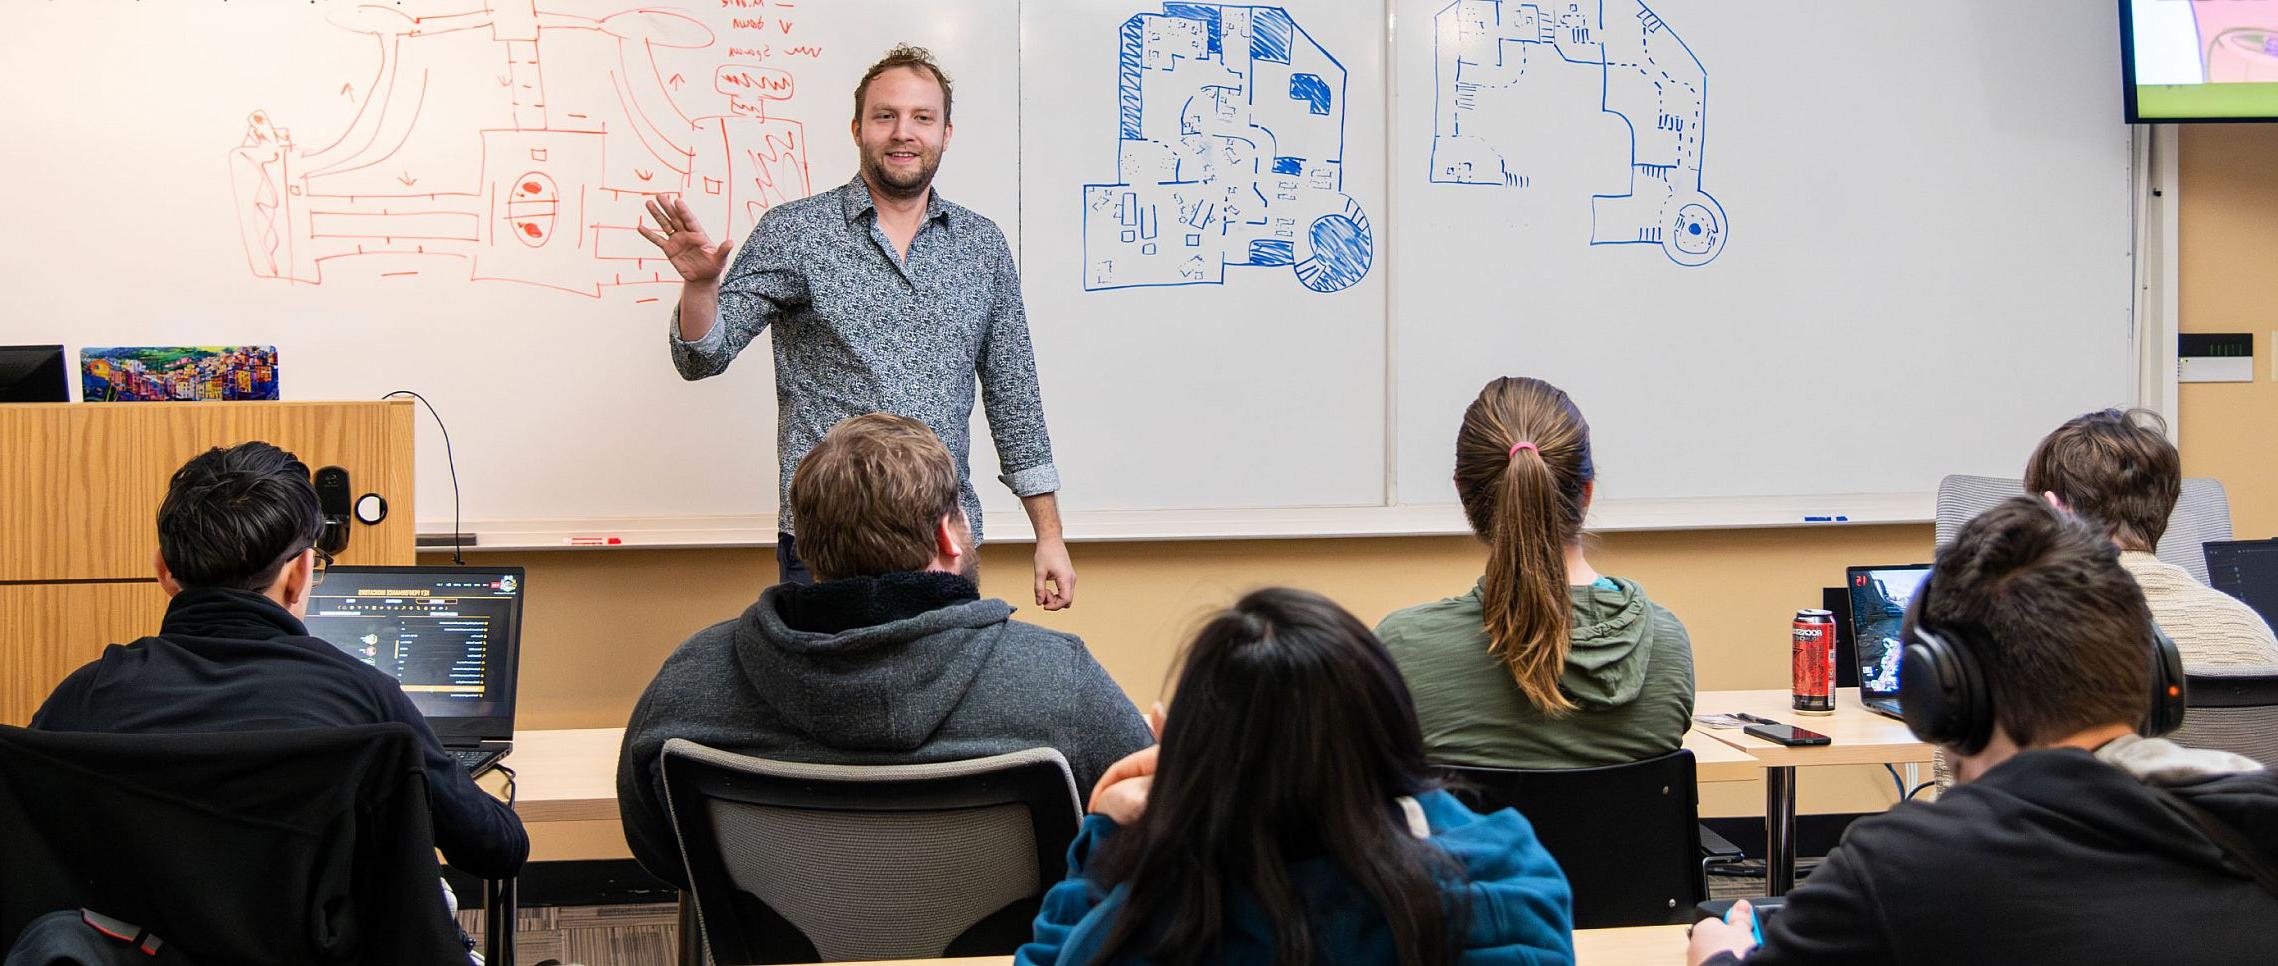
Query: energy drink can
point(1813, 638)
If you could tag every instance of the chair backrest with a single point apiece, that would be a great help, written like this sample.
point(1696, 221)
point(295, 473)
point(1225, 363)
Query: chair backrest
point(277, 847)
point(1627, 836)
point(794, 862)
point(2202, 513)
point(2234, 710)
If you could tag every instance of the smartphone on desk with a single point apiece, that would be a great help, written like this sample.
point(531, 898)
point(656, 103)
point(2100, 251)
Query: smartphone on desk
point(1786, 734)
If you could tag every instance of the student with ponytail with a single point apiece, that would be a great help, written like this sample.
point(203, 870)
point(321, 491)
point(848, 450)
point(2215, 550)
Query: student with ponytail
point(1545, 663)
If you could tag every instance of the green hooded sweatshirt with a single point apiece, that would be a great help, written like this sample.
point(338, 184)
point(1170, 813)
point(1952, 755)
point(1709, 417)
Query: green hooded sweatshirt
point(1630, 670)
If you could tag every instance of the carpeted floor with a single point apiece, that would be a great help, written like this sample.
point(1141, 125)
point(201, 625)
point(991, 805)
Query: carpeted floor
point(622, 935)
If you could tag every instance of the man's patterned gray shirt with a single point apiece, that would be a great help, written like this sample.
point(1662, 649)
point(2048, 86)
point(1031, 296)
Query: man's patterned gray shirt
point(858, 330)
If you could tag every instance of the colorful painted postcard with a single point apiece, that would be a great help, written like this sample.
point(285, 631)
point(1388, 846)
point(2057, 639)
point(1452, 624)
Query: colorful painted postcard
point(177, 373)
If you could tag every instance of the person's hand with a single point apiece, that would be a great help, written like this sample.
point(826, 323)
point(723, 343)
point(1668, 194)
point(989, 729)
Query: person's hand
point(684, 242)
point(1125, 800)
point(1055, 575)
point(1136, 765)
point(1735, 934)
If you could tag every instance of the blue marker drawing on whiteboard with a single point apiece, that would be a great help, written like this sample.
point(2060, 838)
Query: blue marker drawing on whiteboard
point(1229, 152)
point(1493, 61)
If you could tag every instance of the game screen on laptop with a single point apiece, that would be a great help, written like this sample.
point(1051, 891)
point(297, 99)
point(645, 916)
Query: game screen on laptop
point(1878, 604)
point(446, 634)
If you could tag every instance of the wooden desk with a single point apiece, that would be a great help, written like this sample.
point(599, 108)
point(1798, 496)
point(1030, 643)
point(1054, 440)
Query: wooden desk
point(1636, 946)
point(571, 775)
point(1715, 760)
point(566, 776)
point(1860, 737)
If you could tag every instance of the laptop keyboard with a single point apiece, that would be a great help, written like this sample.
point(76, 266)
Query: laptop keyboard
point(475, 759)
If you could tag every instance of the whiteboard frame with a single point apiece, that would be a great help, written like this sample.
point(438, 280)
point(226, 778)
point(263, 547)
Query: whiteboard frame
point(1241, 523)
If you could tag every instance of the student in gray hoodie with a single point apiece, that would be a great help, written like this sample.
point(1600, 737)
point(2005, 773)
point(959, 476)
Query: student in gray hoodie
point(892, 657)
point(1545, 664)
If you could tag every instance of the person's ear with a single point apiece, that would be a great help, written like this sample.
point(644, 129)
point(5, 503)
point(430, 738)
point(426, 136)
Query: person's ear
point(166, 581)
point(948, 538)
point(293, 585)
point(1589, 492)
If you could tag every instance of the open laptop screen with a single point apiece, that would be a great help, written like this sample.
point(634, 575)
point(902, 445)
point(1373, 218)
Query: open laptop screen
point(451, 635)
point(1879, 596)
point(2247, 570)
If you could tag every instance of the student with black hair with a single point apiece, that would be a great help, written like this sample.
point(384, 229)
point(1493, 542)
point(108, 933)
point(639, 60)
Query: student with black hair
point(237, 556)
point(1293, 819)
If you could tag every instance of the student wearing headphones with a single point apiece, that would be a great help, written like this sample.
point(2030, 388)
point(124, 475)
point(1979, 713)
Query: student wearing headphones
point(2032, 661)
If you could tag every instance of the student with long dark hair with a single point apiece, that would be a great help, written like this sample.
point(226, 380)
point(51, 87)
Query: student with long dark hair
point(1545, 663)
point(1289, 816)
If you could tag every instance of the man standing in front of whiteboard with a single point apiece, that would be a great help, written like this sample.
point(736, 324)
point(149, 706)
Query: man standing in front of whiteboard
point(884, 298)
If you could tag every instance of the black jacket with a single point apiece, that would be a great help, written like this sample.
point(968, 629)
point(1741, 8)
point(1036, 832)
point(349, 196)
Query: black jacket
point(234, 660)
point(2052, 857)
point(286, 848)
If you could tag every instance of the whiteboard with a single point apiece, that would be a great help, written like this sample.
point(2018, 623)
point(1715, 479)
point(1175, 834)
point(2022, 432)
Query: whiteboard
point(1264, 270)
point(1808, 250)
point(1197, 347)
point(404, 269)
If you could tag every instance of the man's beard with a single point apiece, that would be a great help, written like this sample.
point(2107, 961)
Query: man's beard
point(874, 170)
point(969, 567)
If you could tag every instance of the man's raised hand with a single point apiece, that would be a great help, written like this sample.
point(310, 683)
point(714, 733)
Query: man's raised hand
point(684, 242)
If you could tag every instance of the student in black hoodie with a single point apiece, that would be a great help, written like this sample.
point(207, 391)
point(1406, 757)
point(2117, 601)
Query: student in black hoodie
point(236, 553)
point(2056, 846)
point(893, 657)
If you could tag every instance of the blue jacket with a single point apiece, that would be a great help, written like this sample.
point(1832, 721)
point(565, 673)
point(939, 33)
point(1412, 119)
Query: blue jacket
point(1520, 910)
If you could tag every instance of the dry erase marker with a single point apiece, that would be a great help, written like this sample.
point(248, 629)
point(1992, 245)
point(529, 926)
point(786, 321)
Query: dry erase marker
point(595, 541)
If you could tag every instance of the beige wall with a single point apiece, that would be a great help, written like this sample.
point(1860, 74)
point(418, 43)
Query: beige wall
point(601, 621)
point(2229, 226)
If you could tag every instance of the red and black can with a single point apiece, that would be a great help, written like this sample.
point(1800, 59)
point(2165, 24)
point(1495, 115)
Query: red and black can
point(1813, 636)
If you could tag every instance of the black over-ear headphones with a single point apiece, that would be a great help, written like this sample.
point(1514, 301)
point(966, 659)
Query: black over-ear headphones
point(1947, 700)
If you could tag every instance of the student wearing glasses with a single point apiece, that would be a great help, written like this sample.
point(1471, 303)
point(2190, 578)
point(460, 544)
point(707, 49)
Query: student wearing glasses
point(237, 558)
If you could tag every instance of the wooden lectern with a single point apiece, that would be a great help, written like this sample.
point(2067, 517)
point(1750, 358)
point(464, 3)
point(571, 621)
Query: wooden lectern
point(80, 485)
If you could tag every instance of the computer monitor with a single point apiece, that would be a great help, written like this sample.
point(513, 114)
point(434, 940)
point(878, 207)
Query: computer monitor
point(1879, 597)
point(2247, 570)
point(451, 635)
point(33, 373)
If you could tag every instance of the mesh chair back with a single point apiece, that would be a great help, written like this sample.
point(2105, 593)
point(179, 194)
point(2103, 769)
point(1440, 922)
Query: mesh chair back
point(1627, 836)
point(794, 862)
point(1961, 498)
point(2234, 710)
point(2202, 513)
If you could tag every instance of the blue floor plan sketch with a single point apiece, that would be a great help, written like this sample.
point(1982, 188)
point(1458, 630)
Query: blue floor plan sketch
point(1230, 152)
point(1493, 53)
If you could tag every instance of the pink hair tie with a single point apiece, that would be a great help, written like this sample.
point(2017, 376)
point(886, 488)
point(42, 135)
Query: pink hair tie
point(1516, 447)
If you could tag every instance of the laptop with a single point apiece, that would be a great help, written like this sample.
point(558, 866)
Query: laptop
point(451, 635)
point(2247, 570)
point(1879, 596)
